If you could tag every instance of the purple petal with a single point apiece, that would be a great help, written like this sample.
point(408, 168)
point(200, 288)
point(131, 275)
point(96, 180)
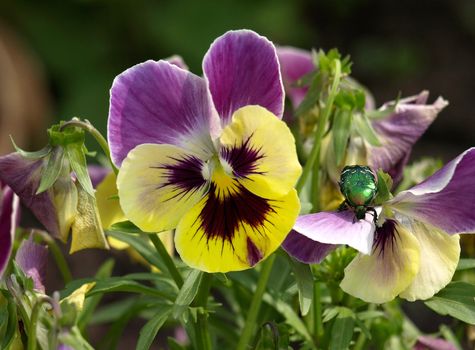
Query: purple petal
point(446, 199)
point(32, 259)
point(242, 69)
point(338, 228)
point(306, 250)
point(430, 343)
point(294, 64)
point(97, 173)
point(9, 215)
point(399, 131)
point(157, 102)
point(23, 177)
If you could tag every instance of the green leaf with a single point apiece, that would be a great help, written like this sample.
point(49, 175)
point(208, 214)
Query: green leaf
point(187, 292)
point(291, 317)
point(456, 300)
point(52, 169)
point(385, 183)
point(466, 264)
point(91, 303)
point(125, 226)
point(10, 322)
point(303, 276)
point(342, 330)
point(365, 129)
point(32, 155)
point(174, 345)
point(311, 97)
point(341, 133)
point(142, 245)
point(77, 159)
point(118, 284)
point(151, 328)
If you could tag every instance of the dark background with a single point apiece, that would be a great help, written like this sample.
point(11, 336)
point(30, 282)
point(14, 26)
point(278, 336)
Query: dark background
point(78, 47)
point(58, 59)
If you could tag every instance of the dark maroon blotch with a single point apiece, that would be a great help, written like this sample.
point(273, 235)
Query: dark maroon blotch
point(222, 214)
point(254, 255)
point(185, 175)
point(385, 236)
point(243, 159)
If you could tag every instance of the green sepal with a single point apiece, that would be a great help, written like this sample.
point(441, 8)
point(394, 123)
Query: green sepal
point(312, 96)
point(384, 185)
point(365, 129)
point(341, 129)
point(51, 170)
point(77, 159)
point(72, 134)
point(32, 155)
point(386, 112)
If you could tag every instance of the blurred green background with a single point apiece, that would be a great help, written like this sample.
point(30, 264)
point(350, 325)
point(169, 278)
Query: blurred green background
point(80, 46)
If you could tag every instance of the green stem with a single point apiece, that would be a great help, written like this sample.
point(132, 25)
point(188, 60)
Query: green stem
point(86, 125)
point(360, 342)
point(57, 256)
point(203, 340)
point(314, 158)
point(317, 311)
point(250, 324)
point(167, 259)
point(35, 312)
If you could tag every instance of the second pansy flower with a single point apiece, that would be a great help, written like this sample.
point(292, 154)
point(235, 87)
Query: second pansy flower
point(208, 156)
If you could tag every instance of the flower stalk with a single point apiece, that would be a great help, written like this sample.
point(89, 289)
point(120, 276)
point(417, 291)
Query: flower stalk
point(87, 126)
point(249, 326)
point(167, 259)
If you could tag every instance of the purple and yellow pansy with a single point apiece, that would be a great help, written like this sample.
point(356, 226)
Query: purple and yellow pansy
point(412, 250)
point(208, 156)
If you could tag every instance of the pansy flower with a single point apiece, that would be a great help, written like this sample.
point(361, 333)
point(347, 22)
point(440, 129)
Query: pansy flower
point(412, 251)
point(63, 208)
point(397, 130)
point(208, 156)
point(9, 217)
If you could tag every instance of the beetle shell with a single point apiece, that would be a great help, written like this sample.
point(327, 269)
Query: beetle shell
point(358, 184)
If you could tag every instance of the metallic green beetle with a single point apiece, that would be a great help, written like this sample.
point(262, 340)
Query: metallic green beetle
point(358, 185)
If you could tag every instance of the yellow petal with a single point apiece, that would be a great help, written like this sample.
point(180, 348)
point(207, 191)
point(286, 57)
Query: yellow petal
point(233, 232)
point(440, 255)
point(87, 231)
point(65, 196)
point(77, 297)
point(381, 276)
point(108, 201)
point(158, 184)
point(260, 149)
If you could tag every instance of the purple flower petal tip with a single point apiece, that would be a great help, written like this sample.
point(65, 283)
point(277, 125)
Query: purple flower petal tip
point(338, 228)
point(399, 132)
point(32, 259)
point(305, 249)
point(445, 199)
point(23, 177)
point(228, 58)
point(430, 343)
point(97, 173)
point(9, 217)
point(294, 64)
